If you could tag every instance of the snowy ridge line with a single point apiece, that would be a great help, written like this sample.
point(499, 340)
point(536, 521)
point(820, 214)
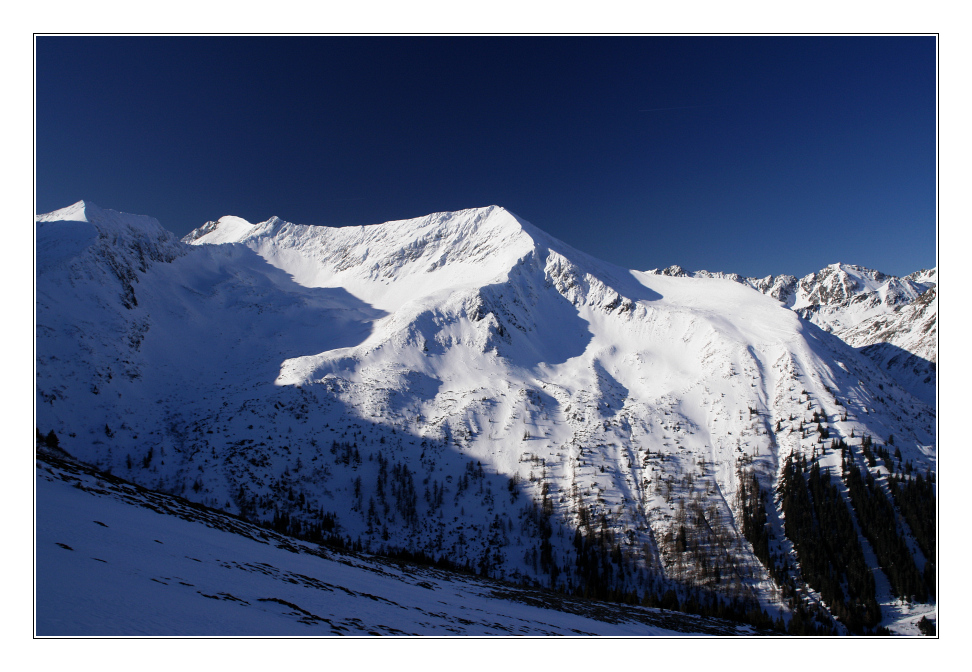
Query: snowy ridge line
point(835, 284)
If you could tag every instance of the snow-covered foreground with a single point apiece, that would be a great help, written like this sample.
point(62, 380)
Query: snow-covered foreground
point(115, 559)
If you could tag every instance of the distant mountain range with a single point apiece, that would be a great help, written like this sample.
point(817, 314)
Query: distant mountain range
point(463, 388)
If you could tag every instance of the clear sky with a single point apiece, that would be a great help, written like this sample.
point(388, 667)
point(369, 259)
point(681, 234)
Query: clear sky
point(755, 155)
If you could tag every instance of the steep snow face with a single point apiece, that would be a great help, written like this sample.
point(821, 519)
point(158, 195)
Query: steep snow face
point(460, 385)
point(125, 310)
point(105, 241)
point(224, 230)
point(90, 266)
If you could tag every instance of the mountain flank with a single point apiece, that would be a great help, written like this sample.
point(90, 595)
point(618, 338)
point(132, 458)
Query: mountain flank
point(465, 389)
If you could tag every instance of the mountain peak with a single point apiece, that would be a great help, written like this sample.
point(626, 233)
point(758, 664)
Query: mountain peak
point(225, 229)
point(490, 227)
point(674, 271)
point(82, 211)
point(236, 229)
point(853, 269)
point(107, 220)
point(391, 262)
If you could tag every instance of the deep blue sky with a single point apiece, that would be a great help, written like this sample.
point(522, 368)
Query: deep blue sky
point(756, 155)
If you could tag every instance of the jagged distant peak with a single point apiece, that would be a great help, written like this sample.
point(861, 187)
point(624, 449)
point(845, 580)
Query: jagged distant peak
point(851, 276)
point(673, 271)
point(840, 284)
point(852, 268)
point(832, 284)
point(926, 276)
point(836, 283)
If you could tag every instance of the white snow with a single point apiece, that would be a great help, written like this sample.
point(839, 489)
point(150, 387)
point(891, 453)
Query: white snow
point(112, 561)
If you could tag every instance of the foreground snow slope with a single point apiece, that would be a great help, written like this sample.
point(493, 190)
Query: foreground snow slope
point(117, 560)
point(460, 385)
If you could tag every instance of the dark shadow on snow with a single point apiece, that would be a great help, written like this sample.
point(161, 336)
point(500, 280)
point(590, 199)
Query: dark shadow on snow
point(274, 317)
point(915, 374)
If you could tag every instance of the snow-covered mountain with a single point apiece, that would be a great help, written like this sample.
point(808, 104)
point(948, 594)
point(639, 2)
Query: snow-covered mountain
point(893, 320)
point(460, 386)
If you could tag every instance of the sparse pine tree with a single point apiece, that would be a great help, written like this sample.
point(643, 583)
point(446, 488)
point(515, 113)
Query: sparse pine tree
point(51, 440)
point(372, 518)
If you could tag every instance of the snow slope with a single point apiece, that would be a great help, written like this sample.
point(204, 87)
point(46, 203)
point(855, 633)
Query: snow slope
point(460, 385)
point(116, 560)
point(866, 309)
